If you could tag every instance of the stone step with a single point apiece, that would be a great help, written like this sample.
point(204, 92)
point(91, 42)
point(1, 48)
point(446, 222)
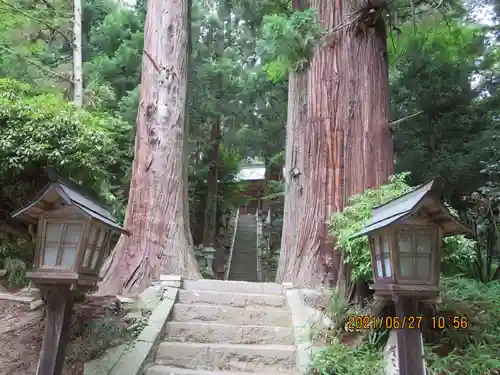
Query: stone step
point(208, 297)
point(232, 357)
point(231, 315)
point(225, 333)
point(244, 275)
point(233, 286)
point(167, 370)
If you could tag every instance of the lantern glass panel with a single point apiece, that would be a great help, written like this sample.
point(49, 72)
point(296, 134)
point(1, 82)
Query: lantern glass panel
point(68, 256)
point(50, 254)
point(415, 255)
point(51, 246)
point(73, 233)
point(53, 232)
point(94, 259)
point(405, 242)
point(376, 256)
point(406, 265)
point(424, 243)
point(86, 257)
point(380, 271)
point(94, 248)
point(70, 243)
point(90, 247)
point(423, 265)
point(61, 244)
point(385, 245)
point(386, 257)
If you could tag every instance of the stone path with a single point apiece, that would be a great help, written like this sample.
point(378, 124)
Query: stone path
point(244, 261)
point(227, 328)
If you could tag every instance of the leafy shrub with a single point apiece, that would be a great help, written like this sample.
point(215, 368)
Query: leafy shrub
point(348, 353)
point(92, 148)
point(340, 359)
point(16, 255)
point(471, 351)
point(458, 252)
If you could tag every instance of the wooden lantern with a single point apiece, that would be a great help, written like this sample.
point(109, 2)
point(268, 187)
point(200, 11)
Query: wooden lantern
point(73, 238)
point(405, 237)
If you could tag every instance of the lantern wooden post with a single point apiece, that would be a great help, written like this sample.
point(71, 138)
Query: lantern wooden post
point(72, 241)
point(405, 240)
point(410, 353)
point(59, 305)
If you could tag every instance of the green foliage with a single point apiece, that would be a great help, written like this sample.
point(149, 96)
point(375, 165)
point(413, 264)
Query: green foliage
point(115, 56)
point(16, 255)
point(42, 129)
point(288, 42)
point(458, 251)
point(475, 350)
point(344, 225)
point(228, 193)
point(340, 359)
point(432, 72)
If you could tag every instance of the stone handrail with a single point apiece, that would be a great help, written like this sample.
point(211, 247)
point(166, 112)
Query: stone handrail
point(228, 266)
point(133, 358)
point(259, 252)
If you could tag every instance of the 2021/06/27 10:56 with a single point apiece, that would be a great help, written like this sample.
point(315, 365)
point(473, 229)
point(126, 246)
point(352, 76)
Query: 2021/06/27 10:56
point(409, 322)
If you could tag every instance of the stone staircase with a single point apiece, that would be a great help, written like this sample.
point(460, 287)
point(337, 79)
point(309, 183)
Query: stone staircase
point(244, 260)
point(227, 328)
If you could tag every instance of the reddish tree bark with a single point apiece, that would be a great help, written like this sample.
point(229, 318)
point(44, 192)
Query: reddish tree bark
point(157, 211)
point(338, 140)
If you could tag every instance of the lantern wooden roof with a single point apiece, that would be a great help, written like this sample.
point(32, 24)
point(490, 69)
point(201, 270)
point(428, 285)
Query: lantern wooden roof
point(58, 193)
point(424, 198)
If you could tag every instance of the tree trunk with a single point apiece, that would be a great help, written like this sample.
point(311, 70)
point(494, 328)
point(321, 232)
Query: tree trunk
point(157, 208)
point(338, 142)
point(210, 217)
point(210, 214)
point(77, 54)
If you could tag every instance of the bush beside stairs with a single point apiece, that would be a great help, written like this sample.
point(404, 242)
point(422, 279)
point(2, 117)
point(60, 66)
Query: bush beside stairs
point(227, 328)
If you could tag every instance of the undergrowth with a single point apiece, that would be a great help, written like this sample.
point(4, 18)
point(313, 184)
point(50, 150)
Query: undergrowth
point(340, 359)
point(93, 335)
point(347, 352)
point(474, 350)
point(471, 351)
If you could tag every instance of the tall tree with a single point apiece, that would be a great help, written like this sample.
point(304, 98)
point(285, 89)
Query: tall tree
point(217, 33)
point(157, 207)
point(77, 54)
point(338, 139)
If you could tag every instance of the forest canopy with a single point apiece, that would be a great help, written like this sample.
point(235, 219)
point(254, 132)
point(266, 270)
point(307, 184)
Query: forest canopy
point(267, 82)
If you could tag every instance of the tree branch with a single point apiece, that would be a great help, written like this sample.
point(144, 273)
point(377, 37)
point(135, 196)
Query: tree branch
point(157, 68)
point(46, 70)
point(392, 125)
point(53, 28)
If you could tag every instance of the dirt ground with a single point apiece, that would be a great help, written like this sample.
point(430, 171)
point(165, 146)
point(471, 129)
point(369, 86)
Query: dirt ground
point(21, 333)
